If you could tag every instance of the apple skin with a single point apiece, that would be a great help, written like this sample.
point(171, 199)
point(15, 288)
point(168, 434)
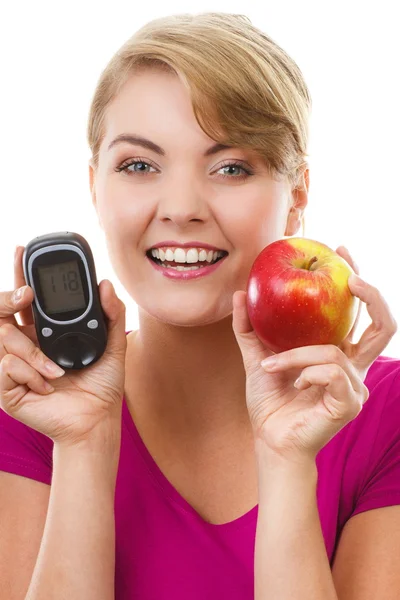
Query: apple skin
point(297, 295)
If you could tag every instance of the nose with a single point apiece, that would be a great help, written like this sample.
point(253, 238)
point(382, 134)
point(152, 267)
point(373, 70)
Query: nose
point(183, 200)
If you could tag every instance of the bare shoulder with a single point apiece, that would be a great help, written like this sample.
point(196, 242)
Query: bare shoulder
point(366, 561)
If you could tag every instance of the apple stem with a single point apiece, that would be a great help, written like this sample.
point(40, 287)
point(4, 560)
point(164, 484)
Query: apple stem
point(312, 261)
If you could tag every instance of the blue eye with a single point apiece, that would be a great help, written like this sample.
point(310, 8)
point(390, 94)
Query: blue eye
point(125, 167)
point(235, 166)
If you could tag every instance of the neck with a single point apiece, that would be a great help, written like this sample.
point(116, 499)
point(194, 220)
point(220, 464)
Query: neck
point(191, 377)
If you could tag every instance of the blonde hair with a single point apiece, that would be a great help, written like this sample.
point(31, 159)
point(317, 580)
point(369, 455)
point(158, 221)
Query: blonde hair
point(245, 90)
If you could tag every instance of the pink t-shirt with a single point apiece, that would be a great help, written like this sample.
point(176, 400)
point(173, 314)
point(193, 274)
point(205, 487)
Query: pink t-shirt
point(165, 550)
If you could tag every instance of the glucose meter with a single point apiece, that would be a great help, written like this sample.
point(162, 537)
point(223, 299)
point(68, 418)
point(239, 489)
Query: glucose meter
point(69, 320)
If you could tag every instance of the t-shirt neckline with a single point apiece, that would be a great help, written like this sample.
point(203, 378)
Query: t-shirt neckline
point(169, 490)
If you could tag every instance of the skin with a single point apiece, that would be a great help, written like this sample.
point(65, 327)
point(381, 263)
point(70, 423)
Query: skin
point(185, 354)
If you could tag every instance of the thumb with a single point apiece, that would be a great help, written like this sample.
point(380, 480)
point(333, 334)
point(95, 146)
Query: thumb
point(251, 347)
point(240, 319)
point(115, 312)
point(246, 337)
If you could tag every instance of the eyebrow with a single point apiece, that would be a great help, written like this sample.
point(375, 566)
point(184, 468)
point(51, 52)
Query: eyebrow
point(137, 140)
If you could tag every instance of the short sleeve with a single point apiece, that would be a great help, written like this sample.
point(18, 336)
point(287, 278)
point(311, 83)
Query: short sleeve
point(24, 451)
point(382, 484)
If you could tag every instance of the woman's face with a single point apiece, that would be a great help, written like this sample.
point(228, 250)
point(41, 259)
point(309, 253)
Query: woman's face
point(182, 195)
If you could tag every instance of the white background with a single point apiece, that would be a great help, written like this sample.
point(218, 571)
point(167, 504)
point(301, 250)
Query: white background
point(52, 54)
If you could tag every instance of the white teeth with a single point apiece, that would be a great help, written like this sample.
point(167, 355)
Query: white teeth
point(204, 256)
point(180, 255)
point(192, 255)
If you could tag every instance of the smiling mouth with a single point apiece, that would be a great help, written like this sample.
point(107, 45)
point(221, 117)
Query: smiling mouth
point(172, 263)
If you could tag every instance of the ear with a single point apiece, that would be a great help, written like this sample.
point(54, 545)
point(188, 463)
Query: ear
point(92, 180)
point(299, 200)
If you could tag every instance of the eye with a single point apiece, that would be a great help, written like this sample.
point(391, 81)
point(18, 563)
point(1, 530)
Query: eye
point(236, 165)
point(125, 167)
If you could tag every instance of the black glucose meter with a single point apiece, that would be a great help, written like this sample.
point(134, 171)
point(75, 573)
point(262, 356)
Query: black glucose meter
point(69, 320)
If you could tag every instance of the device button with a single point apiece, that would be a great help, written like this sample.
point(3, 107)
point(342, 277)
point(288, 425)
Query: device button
point(64, 360)
point(93, 324)
point(47, 332)
point(74, 350)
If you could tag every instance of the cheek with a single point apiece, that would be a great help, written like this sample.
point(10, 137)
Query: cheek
point(258, 225)
point(122, 216)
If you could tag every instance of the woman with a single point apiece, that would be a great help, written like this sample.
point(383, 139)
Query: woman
point(180, 466)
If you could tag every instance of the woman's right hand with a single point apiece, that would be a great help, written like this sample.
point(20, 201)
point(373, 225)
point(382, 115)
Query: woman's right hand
point(83, 400)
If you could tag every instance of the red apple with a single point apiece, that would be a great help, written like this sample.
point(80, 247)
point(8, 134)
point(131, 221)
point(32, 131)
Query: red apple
point(297, 295)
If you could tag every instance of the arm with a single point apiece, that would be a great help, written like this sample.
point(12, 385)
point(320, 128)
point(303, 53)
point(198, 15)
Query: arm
point(366, 565)
point(291, 561)
point(77, 554)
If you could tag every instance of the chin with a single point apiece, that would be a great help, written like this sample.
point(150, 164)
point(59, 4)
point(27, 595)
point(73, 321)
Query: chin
point(185, 316)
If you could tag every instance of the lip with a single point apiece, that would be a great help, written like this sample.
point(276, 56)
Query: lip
point(185, 275)
point(194, 244)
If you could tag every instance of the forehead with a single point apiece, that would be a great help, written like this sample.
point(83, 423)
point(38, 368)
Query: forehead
point(156, 105)
point(152, 100)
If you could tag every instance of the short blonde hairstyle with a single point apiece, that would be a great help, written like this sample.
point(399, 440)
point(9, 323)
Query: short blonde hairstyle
point(246, 91)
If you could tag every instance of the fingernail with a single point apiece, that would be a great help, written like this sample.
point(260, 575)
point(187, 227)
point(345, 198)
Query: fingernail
point(354, 279)
point(53, 368)
point(48, 387)
point(269, 363)
point(17, 295)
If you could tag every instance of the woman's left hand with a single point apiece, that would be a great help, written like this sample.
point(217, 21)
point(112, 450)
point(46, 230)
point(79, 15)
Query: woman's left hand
point(296, 419)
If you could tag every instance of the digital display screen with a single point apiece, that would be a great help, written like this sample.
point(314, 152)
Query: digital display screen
point(61, 286)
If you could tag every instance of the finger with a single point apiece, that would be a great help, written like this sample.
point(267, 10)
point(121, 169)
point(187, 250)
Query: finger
point(9, 305)
point(8, 310)
point(250, 346)
point(13, 341)
point(383, 327)
point(350, 335)
point(240, 319)
point(25, 314)
point(115, 312)
point(344, 253)
point(305, 356)
point(16, 378)
point(337, 384)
